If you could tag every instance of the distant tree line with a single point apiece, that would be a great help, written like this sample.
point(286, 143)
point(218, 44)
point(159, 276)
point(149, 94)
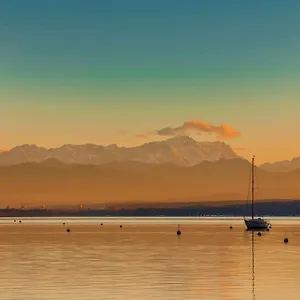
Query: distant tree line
point(282, 208)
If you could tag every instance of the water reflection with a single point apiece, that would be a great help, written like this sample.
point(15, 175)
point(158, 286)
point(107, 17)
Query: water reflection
point(253, 232)
point(147, 261)
point(253, 266)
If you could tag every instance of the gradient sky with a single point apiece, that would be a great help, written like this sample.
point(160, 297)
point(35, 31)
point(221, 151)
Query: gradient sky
point(87, 71)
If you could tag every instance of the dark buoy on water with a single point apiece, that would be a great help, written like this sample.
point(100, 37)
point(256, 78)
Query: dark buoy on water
point(230, 227)
point(64, 223)
point(259, 234)
point(14, 221)
point(286, 240)
point(121, 226)
point(68, 230)
point(101, 224)
point(178, 230)
point(20, 221)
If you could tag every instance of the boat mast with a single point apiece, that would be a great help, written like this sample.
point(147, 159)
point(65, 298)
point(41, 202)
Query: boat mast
point(252, 187)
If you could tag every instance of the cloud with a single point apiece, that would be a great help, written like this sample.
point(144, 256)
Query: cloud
point(222, 131)
point(168, 131)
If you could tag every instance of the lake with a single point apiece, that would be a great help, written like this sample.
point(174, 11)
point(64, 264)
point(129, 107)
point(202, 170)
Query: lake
point(145, 259)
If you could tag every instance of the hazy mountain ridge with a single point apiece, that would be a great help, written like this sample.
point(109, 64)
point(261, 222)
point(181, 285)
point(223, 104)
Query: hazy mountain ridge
point(282, 166)
point(55, 183)
point(181, 151)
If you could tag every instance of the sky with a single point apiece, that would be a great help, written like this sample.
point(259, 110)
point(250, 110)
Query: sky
point(129, 72)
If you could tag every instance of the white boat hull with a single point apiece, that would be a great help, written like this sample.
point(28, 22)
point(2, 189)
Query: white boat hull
point(257, 223)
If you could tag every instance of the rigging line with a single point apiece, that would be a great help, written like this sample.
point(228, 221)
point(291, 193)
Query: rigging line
point(256, 179)
point(257, 187)
point(249, 189)
point(248, 194)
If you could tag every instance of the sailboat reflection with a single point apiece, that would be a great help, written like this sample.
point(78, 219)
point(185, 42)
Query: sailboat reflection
point(253, 278)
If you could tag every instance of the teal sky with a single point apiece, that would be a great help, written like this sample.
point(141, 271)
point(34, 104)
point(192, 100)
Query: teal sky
point(82, 71)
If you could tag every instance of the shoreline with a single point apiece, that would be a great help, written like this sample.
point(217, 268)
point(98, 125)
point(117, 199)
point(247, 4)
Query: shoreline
point(280, 208)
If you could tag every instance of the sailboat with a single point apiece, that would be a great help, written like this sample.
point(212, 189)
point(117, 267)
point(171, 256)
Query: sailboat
point(255, 223)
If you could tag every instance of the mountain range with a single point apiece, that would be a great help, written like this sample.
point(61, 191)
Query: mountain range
point(180, 151)
point(282, 166)
point(175, 170)
point(54, 183)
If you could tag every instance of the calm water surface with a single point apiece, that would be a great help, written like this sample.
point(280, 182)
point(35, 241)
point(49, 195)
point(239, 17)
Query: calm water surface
point(146, 260)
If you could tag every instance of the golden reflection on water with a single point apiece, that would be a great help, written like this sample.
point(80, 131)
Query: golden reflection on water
point(146, 260)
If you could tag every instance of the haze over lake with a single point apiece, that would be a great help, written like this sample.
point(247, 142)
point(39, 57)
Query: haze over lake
point(147, 260)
